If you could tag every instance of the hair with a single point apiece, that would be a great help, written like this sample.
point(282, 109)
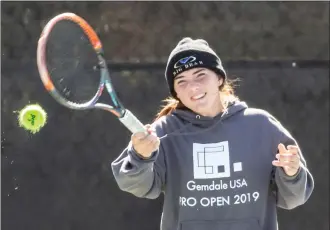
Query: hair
point(226, 95)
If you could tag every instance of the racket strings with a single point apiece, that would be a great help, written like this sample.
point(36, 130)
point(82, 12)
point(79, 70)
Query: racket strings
point(72, 62)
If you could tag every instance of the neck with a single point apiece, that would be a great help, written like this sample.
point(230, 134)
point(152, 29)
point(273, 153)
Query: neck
point(216, 109)
point(212, 113)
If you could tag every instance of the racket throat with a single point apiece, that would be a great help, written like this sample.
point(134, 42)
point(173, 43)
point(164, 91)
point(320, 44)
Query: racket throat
point(118, 112)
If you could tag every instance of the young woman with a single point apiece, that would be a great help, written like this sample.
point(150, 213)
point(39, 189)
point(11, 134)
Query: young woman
point(220, 164)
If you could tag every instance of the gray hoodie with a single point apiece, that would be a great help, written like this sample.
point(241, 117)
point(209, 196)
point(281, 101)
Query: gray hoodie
point(216, 173)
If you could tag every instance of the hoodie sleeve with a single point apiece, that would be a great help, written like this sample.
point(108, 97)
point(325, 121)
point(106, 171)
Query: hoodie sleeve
point(292, 191)
point(143, 178)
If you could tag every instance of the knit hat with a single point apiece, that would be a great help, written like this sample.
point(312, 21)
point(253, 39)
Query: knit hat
point(190, 54)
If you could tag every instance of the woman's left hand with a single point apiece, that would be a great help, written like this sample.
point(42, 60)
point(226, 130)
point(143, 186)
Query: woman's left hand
point(288, 158)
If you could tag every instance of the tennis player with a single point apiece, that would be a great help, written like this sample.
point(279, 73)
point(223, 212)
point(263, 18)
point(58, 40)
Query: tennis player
point(220, 164)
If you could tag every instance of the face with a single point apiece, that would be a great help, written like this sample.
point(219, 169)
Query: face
point(198, 90)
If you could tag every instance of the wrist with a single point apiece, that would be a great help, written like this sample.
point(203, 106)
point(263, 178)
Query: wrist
point(141, 156)
point(293, 176)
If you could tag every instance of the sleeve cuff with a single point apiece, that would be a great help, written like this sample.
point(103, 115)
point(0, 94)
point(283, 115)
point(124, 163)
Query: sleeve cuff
point(290, 178)
point(137, 157)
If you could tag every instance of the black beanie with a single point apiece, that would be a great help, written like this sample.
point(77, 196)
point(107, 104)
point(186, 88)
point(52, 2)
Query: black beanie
point(190, 54)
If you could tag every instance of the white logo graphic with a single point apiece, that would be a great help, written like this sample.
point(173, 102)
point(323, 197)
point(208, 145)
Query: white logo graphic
point(213, 161)
point(184, 61)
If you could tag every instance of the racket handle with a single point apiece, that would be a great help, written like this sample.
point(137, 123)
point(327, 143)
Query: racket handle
point(132, 123)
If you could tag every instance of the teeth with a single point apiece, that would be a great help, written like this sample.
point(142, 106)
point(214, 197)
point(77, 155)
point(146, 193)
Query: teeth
point(198, 96)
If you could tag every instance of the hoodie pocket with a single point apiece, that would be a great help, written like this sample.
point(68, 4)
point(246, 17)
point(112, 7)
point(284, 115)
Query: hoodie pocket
point(245, 224)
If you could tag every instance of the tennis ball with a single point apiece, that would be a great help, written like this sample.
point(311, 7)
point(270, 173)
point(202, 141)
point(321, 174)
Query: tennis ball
point(32, 118)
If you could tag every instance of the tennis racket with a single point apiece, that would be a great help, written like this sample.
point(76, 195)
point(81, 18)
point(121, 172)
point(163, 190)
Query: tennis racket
point(73, 70)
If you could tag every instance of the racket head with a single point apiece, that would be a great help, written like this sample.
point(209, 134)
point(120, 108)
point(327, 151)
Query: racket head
point(70, 58)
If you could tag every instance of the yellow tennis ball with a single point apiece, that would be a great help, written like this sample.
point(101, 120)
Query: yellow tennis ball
point(32, 118)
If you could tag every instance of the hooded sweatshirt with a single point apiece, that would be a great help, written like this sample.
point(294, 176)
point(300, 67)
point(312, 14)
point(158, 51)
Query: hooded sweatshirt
point(216, 173)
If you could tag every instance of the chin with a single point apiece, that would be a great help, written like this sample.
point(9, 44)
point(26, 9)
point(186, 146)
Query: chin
point(203, 109)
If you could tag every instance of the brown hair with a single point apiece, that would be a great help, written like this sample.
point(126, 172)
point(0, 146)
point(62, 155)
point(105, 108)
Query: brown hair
point(226, 90)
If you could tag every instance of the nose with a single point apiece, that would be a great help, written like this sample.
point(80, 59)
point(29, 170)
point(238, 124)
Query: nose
point(193, 86)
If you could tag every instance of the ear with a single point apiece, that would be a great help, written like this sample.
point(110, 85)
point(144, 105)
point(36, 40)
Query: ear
point(220, 82)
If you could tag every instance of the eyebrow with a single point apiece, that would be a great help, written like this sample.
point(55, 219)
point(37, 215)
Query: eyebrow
point(196, 72)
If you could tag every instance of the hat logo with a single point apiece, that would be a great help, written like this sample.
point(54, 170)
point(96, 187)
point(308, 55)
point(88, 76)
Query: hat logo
point(184, 61)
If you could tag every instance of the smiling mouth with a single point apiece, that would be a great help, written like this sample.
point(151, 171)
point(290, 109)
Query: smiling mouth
point(198, 97)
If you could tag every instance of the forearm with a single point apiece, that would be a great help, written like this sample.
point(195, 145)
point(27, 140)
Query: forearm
point(140, 177)
point(293, 191)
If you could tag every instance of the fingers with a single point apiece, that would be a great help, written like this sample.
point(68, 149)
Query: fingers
point(141, 138)
point(155, 143)
point(281, 148)
point(138, 136)
point(286, 166)
point(293, 149)
point(141, 135)
point(288, 158)
point(278, 163)
point(145, 143)
point(150, 129)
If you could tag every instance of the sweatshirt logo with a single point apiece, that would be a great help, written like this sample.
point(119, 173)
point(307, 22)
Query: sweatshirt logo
point(213, 161)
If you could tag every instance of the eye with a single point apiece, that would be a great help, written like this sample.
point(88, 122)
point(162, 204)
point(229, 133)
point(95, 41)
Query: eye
point(201, 76)
point(180, 82)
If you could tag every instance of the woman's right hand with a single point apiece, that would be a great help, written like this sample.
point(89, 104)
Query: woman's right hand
point(145, 144)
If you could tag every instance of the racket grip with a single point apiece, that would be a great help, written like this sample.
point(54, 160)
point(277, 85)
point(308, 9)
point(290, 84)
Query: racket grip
point(132, 123)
